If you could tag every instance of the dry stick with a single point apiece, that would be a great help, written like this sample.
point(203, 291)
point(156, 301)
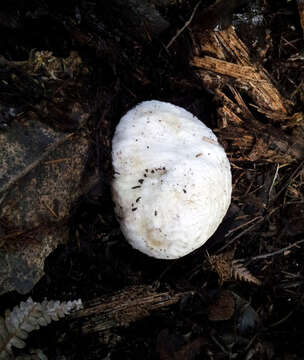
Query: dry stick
point(274, 180)
point(293, 176)
point(187, 23)
point(123, 308)
point(49, 209)
point(243, 225)
point(260, 219)
point(219, 344)
point(279, 322)
point(273, 253)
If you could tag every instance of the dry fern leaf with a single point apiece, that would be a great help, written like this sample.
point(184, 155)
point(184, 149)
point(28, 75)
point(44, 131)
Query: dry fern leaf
point(221, 264)
point(240, 272)
point(227, 268)
point(28, 316)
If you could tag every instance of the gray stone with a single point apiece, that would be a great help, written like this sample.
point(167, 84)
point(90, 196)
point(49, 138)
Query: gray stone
point(40, 177)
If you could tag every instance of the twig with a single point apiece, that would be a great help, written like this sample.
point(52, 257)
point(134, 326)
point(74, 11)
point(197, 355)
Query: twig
point(56, 161)
point(277, 252)
point(274, 180)
point(187, 23)
point(219, 344)
point(282, 320)
point(243, 225)
point(259, 220)
point(49, 209)
point(293, 176)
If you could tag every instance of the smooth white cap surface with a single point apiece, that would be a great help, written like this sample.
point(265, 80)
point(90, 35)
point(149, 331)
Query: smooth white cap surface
point(172, 180)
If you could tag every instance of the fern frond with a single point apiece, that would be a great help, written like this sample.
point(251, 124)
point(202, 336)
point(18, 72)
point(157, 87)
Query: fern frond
point(221, 264)
point(28, 316)
point(228, 268)
point(240, 272)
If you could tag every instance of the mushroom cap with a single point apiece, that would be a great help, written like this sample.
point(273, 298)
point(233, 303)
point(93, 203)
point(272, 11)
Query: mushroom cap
point(172, 180)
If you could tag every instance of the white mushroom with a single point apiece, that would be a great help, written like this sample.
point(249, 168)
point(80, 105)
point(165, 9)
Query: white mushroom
point(172, 180)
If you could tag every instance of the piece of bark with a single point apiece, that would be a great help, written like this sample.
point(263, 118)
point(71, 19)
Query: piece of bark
point(253, 139)
point(123, 308)
point(247, 75)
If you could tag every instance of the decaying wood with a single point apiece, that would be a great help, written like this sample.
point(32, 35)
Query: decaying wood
point(228, 66)
point(240, 72)
point(124, 307)
point(254, 77)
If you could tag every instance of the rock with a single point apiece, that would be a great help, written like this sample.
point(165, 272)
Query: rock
point(40, 178)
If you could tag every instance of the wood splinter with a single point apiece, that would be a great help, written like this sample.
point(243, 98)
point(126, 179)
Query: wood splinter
point(123, 308)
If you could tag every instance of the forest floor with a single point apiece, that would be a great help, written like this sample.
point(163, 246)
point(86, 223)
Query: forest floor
point(238, 69)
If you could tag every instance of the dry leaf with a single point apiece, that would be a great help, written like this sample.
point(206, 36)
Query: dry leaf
point(175, 347)
point(223, 307)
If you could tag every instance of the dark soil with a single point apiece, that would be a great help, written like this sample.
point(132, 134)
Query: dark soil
point(124, 68)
